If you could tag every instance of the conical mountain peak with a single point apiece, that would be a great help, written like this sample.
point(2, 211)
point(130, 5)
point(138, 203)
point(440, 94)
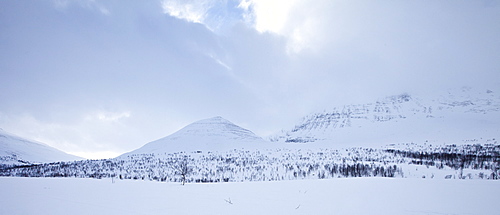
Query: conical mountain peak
point(216, 126)
point(213, 119)
point(212, 134)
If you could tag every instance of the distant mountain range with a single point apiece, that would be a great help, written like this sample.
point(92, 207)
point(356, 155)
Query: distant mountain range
point(461, 116)
point(18, 151)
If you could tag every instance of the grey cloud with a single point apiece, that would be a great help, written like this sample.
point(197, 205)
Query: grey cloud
point(58, 65)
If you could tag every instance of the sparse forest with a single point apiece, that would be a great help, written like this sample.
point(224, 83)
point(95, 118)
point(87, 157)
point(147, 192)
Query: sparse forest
point(460, 162)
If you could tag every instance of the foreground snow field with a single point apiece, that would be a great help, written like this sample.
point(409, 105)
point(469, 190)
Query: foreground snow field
point(335, 196)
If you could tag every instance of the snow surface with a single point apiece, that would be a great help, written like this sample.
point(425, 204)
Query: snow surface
point(213, 134)
point(17, 150)
point(337, 196)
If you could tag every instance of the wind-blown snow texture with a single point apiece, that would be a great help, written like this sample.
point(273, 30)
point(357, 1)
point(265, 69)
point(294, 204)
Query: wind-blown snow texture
point(17, 150)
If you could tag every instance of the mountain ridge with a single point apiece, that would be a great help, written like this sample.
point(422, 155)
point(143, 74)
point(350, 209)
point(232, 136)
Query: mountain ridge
point(453, 117)
point(18, 150)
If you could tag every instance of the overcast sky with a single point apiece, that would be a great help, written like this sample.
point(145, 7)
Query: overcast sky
point(97, 78)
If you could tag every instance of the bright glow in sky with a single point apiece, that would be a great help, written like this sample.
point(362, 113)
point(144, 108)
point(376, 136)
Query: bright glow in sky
point(99, 78)
point(190, 11)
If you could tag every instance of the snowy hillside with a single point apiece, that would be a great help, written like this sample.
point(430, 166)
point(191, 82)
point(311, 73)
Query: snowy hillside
point(214, 134)
point(459, 116)
point(17, 150)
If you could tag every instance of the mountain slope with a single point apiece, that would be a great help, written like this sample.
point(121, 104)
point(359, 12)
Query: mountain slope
point(457, 116)
point(213, 134)
point(17, 150)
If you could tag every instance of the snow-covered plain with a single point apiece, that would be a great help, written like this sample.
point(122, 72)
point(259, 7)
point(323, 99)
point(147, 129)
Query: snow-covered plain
point(334, 196)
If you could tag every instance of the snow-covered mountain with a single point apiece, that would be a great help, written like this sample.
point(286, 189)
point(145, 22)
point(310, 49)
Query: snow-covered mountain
point(213, 134)
point(17, 150)
point(460, 116)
